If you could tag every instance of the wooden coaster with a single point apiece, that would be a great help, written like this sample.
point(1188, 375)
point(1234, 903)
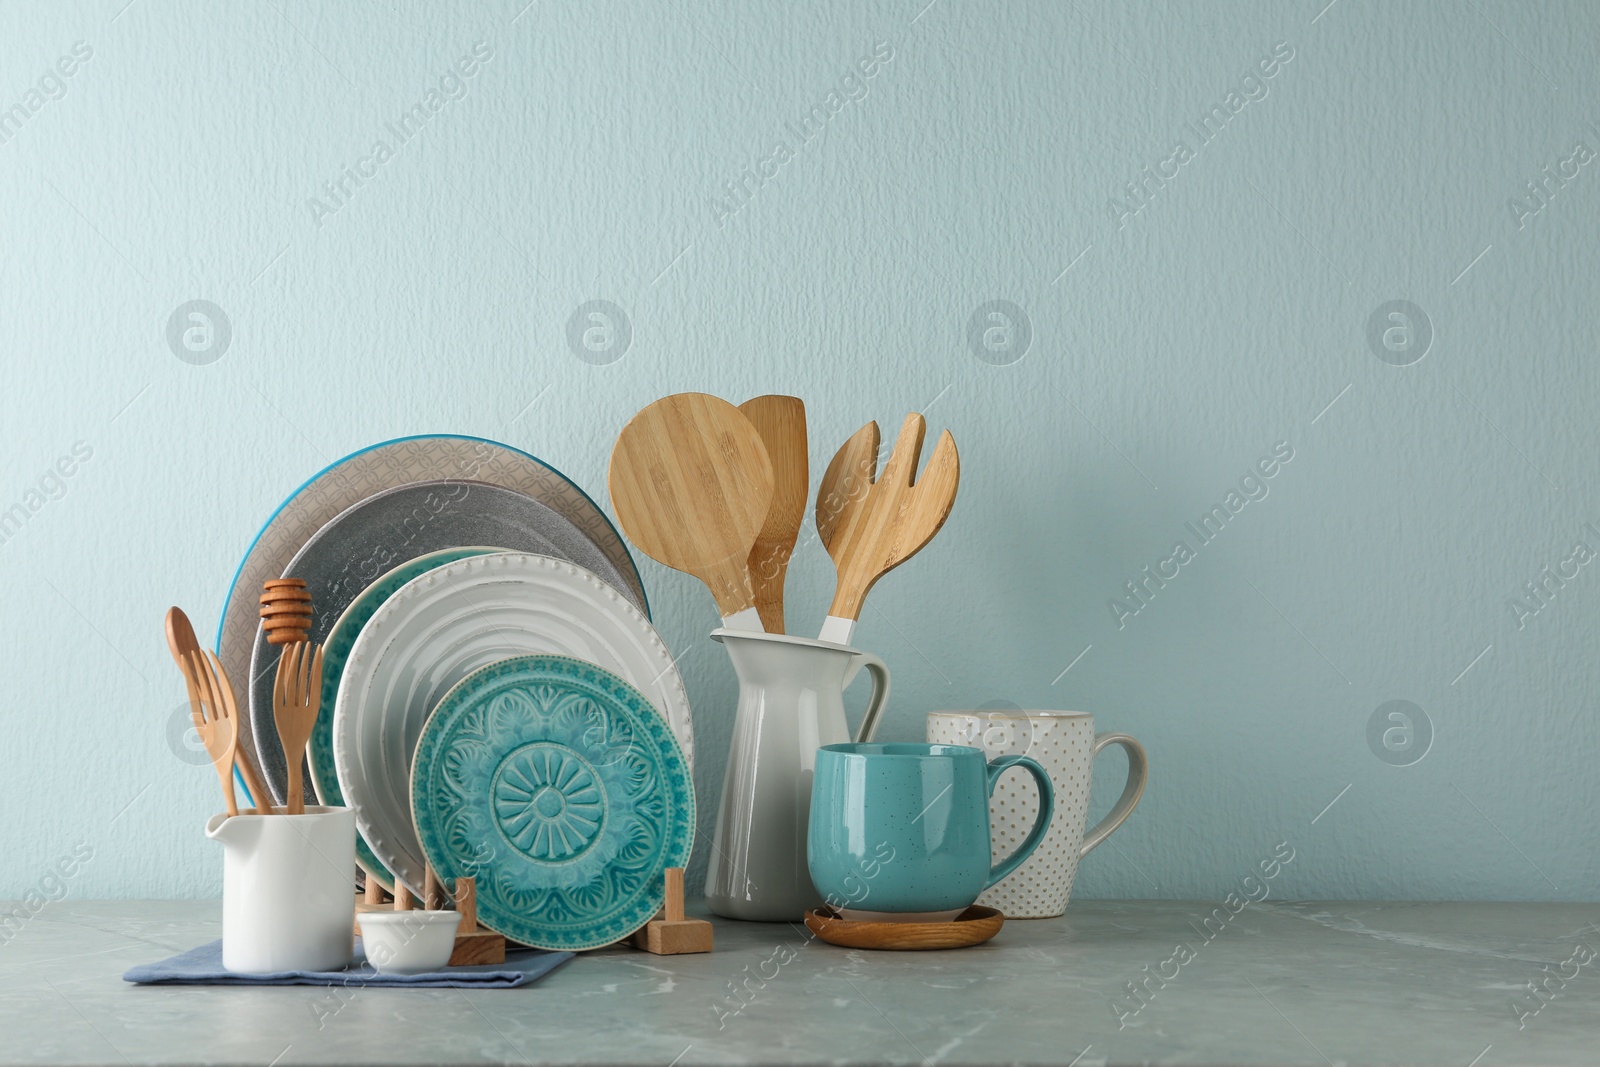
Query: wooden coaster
point(972, 927)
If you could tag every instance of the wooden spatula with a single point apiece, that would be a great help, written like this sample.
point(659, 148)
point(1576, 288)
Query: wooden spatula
point(181, 642)
point(781, 422)
point(691, 484)
point(889, 521)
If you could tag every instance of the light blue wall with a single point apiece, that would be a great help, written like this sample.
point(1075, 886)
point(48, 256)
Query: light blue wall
point(1170, 350)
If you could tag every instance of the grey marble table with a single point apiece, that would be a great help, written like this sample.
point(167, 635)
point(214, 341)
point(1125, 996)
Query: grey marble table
point(1112, 982)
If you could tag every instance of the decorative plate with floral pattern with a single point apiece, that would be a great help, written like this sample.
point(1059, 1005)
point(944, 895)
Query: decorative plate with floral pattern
point(560, 788)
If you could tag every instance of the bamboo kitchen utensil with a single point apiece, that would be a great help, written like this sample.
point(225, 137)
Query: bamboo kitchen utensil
point(781, 422)
point(216, 718)
point(285, 610)
point(889, 522)
point(181, 642)
point(296, 699)
point(691, 484)
point(180, 635)
point(847, 479)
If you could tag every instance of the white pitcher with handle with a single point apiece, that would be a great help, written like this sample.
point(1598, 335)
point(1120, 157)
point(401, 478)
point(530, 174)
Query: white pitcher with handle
point(288, 897)
point(791, 703)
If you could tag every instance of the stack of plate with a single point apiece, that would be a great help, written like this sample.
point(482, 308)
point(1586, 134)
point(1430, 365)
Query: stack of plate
point(495, 702)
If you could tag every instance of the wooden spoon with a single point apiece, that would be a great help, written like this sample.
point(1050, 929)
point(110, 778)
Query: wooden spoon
point(781, 422)
point(181, 642)
point(889, 521)
point(180, 635)
point(691, 484)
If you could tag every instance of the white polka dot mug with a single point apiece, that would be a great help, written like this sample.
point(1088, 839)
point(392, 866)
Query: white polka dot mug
point(1066, 744)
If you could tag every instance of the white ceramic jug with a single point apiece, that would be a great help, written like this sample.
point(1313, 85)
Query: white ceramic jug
point(288, 893)
point(791, 702)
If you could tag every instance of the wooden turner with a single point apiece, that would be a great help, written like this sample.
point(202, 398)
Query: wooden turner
point(691, 484)
point(885, 523)
point(781, 422)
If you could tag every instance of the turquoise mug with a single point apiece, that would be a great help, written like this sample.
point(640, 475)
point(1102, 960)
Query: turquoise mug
point(900, 832)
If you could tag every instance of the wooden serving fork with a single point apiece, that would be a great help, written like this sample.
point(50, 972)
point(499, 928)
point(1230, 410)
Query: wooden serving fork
point(181, 643)
point(296, 699)
point(215, 716)
point(871, 525)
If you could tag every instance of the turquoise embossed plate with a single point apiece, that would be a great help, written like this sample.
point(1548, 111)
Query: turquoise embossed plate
point(560, 788)
point(319, 752)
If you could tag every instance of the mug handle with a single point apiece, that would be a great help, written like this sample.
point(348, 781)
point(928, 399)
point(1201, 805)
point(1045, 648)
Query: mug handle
point(1047, 806)
point(1138, 767)
point(880, 692)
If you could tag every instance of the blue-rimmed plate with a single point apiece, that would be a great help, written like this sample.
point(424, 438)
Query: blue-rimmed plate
point(384, 466)
point(562, 791)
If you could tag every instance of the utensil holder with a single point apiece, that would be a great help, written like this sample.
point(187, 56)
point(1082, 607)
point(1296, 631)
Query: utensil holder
point(286, 901)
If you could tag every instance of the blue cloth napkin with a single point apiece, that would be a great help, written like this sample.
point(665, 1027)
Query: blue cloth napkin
point(203, 966)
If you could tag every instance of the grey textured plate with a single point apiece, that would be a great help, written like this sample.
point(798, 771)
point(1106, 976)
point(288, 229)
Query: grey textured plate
point(363, 542)
point(354, 478)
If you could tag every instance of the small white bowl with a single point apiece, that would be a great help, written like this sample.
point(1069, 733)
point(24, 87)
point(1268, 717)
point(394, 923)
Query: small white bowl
point(409, 942)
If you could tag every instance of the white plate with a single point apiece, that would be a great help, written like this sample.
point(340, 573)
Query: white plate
point(363, 542)
point(443, 625)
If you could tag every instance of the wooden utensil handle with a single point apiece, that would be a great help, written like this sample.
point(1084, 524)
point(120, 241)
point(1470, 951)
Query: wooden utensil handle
point(252, 781)
point(296, 804)
point(226, 775)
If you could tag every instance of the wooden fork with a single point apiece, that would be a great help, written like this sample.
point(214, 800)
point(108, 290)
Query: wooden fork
point(181, 642)
point(296, 699)
point(874, 525)
point(215, 718)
